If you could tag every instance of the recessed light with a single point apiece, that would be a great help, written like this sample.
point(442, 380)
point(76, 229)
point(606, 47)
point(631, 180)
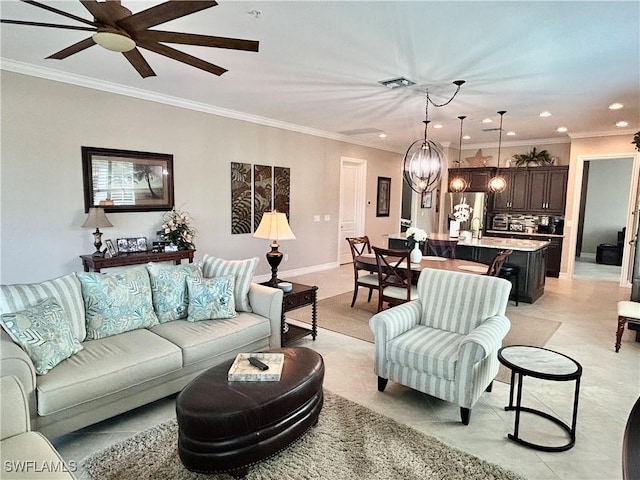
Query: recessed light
point(397, 82)
point(487, 120)
point(615, 106)
point(545, 114)
point(511, 134)
point(382, 135)
point(437, 125)
point(466, 137)
point(562, 129)
point(622, 123)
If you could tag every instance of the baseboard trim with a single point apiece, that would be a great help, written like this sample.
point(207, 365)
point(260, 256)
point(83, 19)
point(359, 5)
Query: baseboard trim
point(298, 271)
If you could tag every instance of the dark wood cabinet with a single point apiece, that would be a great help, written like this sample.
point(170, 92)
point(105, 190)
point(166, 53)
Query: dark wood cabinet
point(553, 253)
point(516, 195)
point(548, 189)
point(476, 178)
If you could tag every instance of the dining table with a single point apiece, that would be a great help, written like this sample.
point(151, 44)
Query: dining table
point(367, 261)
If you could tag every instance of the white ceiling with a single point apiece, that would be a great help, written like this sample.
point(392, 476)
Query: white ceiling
point(320, 62)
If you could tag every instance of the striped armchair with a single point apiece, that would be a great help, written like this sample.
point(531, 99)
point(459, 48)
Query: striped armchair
point(445, 343)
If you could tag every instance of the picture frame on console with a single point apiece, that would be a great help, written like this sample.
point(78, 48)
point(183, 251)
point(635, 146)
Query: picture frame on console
point(111, 250)
point(127, 181)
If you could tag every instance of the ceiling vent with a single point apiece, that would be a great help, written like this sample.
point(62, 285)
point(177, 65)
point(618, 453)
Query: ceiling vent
point(397, 82)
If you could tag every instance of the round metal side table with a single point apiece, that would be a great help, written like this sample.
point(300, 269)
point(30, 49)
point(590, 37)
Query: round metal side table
point(547, 365)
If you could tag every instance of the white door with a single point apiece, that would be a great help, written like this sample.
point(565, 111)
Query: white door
point(352, 204)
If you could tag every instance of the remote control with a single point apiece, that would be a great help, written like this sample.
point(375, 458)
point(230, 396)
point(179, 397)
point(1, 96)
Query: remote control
point(258, 364)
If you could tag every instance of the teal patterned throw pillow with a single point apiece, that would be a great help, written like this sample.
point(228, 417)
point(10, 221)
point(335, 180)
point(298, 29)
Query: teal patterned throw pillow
point(117, 303)
point(169, 289)
point(44, 333)
point(210, 298)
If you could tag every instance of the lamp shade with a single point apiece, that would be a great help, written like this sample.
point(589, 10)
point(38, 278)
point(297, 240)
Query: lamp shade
point(96, 219)
point(274, 226)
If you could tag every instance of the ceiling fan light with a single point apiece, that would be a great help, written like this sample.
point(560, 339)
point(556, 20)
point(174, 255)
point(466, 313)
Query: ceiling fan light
point(115, 42)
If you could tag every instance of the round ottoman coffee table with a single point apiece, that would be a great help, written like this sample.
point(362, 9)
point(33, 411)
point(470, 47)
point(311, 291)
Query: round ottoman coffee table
point(229, 426)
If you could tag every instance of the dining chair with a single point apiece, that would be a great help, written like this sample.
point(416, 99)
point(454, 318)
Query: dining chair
point(358, 247)
point(496, 264)
point(441, 248)
point(395, 284)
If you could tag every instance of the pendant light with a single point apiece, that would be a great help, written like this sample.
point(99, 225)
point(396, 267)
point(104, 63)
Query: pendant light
point(498, 184)
point(457, 183)
point(422, 164)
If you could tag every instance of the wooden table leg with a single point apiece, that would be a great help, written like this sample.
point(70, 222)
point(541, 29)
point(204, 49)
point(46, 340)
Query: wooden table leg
point(621, 321)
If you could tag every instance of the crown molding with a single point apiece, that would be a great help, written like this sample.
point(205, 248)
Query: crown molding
point(606, 133)
point(519, 143)
point(103, 86)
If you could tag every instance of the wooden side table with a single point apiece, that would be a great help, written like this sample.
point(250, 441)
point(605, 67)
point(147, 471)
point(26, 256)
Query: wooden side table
point(134, 258)
point(299, 296)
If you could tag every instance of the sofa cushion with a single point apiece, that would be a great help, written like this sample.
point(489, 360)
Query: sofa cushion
point(428, 350)
point(169, 289)
point(210, 298)
point(105, 367)
point(44, 332)
point(117, 303)
point(31, 455)
point(211, 338)
point(66, 290)
point(242, 270)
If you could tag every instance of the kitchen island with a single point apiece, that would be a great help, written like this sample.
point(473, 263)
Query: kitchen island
point(529, 255)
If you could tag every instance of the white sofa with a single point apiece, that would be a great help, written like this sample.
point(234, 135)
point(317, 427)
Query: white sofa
point(120, 372)
point(24, 453)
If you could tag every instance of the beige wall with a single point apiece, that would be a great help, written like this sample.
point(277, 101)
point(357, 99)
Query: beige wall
point(44, 124)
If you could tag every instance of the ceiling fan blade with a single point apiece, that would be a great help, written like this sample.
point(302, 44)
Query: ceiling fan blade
point(75, 48)
point(59, 12)
point(174, 54)
point(139, 63)
point(100, 14)
point(195, 39)
point(163, 13)
point(50, 25)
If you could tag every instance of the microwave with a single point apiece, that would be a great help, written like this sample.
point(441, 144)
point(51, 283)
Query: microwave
point(501, 221)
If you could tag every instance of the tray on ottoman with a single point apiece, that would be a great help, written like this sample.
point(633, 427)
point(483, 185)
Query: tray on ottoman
point(228, 426)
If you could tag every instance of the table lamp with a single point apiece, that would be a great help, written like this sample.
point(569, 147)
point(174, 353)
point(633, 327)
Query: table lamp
point(274, 227)
point(97, 218)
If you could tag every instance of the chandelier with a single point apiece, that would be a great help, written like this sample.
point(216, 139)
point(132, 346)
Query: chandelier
point(457, 183)
point(498, 184)
point(422, 164)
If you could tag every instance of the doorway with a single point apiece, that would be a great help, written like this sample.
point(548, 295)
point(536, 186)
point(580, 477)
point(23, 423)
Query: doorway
point(603, 204)
point(353, 178)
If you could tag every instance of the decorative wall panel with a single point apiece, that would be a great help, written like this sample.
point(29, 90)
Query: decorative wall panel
point(240, 198)
point(281, 189)
point(262, 192)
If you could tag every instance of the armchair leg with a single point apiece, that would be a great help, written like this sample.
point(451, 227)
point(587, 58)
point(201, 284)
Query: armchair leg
point(382, 384)
point(489, 387)
point(465, 414)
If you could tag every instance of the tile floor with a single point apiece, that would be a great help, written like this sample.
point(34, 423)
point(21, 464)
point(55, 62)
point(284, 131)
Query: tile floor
point(610, 387)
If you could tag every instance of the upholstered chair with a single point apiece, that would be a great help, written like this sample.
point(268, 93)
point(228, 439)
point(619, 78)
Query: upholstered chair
point(445, 343)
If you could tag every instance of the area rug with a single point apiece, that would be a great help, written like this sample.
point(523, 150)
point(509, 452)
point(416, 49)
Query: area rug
point(335, 313)
point(349, 442)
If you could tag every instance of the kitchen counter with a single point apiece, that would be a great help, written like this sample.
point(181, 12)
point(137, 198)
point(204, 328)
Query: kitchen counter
point(523, 245)
point(530, 255)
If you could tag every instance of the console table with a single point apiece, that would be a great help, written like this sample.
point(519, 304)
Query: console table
point(97, 263)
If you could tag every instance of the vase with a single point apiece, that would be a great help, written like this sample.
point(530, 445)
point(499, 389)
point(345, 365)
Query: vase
point(416, 253)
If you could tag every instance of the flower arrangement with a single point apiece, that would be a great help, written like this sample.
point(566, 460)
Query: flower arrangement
point(415, 235)
point(176, 229)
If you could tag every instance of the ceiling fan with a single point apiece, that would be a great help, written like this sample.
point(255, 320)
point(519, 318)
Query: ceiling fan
point(117, 29)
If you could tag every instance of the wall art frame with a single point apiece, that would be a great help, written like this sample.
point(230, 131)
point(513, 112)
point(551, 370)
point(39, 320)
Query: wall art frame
point(427, 199)
point(126, 180)
point(383, 197)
